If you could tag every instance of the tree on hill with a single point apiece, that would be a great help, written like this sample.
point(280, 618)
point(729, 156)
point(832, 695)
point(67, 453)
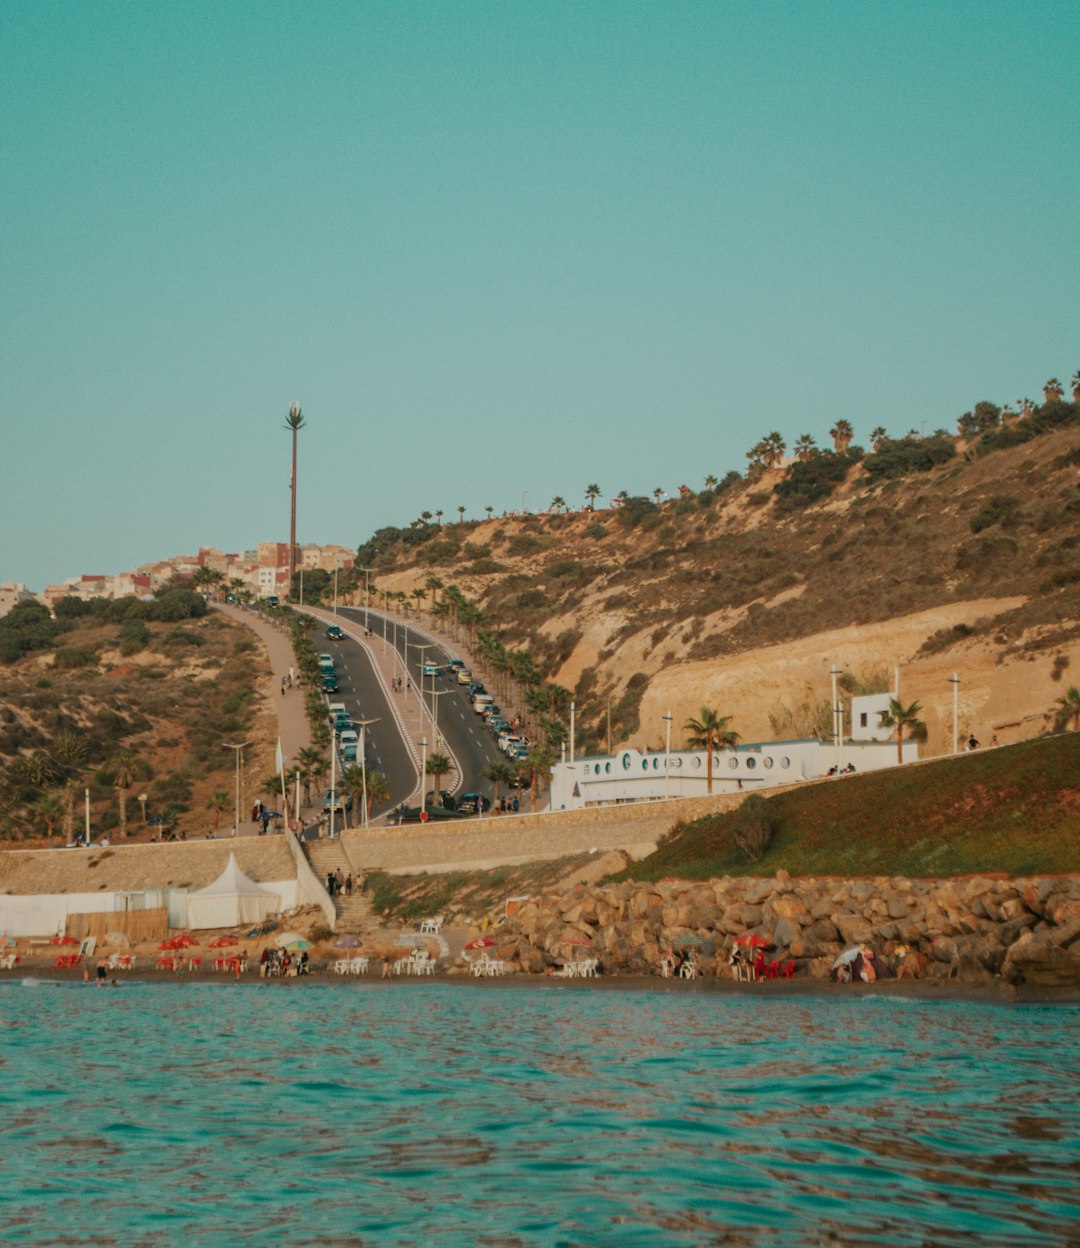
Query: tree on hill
point(461, 514)
point(804, 446)
point(775, 447)
point(710, 482)
point(439, 515)
point(123, 765)
point(1069, 709)
point(218, 803)
point(558, 503)
point(756, 455)
point(658, 494)
point(489, 510)
point(1026, 406)
point(51, 809)
point(901, 717)
point(499, 774)
point(1075, 386)
point(709, 731)
point(1053, 391)
point(841, 434)
point(592, 493)
point(877, 436)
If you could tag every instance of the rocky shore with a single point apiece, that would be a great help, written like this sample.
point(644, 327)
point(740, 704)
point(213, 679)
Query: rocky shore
point(974, 930)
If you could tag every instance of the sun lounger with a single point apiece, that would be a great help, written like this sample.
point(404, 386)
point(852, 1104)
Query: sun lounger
point(431, 927)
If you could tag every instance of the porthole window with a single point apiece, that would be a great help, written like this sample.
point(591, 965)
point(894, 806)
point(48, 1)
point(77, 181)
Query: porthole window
point(607, 768)
point(751, 763)
point(626, 762)
point(644, 764)
point(785, 763)
point(767, 761)
point(678, 762)
point(696, 761)
point(733, 763)
point(655, 764)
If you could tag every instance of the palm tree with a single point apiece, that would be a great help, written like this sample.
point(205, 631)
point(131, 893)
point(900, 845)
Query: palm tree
point(540, 763)
point(51, 809)
point(1069, 708)
point(1052, 391)
point(592, 493)
point(1075, 386)
point(419, 595)
point(294, 422)
point(707, 732)
point(70, 794)
point(312, 767)
point(499, 773)
point(490, 511)
point(438, 765)
point(439, 515)
point(558, 503)
point(841, 434)
point(900, 717)
point(378, 790)
point(425, 516)
point(775, 446)
point(1026, 407)
point(461, 514)
point(804, 446)
point(756, 455)
point(710, 482)
point(122, 766)
point(353, 783)
point(658, 494)
point(218, 803)
point(877, 436)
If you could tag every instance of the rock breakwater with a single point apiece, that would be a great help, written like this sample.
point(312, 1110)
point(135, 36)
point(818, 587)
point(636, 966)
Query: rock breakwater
point(975, 928)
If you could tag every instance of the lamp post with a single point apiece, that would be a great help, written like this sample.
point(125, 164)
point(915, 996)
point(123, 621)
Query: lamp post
point(423, 774)
point(954, 680)
point(335, 589)
point(414, 645)
point(239, 764)
point(838, 716)
point(333, 788)
point(436, 694)
point(667, 756)
point(367, 593)
point(86, 824)
point(573, 712)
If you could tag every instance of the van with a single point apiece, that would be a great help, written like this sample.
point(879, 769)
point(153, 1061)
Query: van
point(335, 709)
point(480, 700)
point(350, 743)
point(326, 662)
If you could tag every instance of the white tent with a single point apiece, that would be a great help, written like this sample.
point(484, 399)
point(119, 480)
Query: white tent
point(231, 900)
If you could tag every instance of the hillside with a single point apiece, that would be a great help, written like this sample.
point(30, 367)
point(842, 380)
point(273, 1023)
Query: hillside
point(149, 702)
point(743, 595)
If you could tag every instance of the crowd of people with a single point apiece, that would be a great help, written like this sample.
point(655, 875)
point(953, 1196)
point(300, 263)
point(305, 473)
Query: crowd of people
point(275, 962)
point(338, 884)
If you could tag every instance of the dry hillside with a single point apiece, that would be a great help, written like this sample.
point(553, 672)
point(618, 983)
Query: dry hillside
point(734, 599)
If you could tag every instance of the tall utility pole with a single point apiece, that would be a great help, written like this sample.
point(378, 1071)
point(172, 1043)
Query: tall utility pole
point(295, 422)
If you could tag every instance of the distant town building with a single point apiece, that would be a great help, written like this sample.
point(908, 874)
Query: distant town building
point(11, 594)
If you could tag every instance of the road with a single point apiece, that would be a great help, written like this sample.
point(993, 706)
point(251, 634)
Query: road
point(467, 738)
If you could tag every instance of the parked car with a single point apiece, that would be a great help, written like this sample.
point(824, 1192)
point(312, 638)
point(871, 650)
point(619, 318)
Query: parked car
point(455, 664)
point(350, 744)
point(411, 814)
point(464, 676)
point(476, 687)
point(473, 803)
point(342, 720)
point(509, 743)
point(273, 601)
point(482, 700)
point(443, 798)
point(340, 802)
point(334, 631)
point(430, 669)
point(326, 660)
point(329, 682)
point(335, 709)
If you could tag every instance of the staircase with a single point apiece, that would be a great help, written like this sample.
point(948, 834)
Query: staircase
point(354, 914)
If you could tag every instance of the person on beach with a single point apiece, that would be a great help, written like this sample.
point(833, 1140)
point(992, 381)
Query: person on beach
point(331, 883)
point(339, 881)
point(102, 967)
point(348, 885)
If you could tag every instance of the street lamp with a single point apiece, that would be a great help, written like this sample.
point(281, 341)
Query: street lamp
point(413, 645)
point(838, 716)
point(239, 766)
point(86, 834)
point(435, 695)
point(954, 680)
point(573, 712)
point(367, 593)
point(423, 774)
point(667, 756)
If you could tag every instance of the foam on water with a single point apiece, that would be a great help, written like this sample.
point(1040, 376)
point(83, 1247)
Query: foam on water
point(365, 1114)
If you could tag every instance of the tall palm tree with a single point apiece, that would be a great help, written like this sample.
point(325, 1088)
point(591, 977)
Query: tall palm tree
point(592, 493)
point(707, 732)
point(313, 767)
point(710, 482)
point(900, 717)
point(294, 422)
point(122, 765)
point(1075, 386)
point(439, 515)
point(70, 794)
point(658, 494)
point(1026, 406)
point(1069, 708)
point(419, 596)
point(756, 455)
point(877, 436)
point(218, 803)
point(51, 809)
point(558, 503)
point(461, 514)
point(499, 773)
point(1052, 391)
point(438, 765)
point(841, 434)
point(490, 511)
point(353, 783)
point(804, 446)
point(378, 790)
point(775, 446)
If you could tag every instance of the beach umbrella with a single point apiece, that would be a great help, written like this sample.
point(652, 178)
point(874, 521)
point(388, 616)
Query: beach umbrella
point(848, 956)
point(118, 938)
point(348, 941)
point(285, 939)
point(751, 940)
point(222, 942)
point(299, 944)
point(412, 940)
point(481, 942)
point(65, 939)
point(6, 940)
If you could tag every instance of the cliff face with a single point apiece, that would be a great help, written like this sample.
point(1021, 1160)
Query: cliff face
point(735, 600)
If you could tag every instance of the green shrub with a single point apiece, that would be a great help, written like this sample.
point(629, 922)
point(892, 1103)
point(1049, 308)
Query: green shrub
point(905, 456)
point(595, 530)
point(73, 656)
point(1002, 509)
point(755, 823)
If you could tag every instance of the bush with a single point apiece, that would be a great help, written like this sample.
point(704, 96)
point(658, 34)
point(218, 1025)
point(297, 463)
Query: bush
point(69, 657)
point(595, 530)
point(909, 455)
point(813, 479)
point(1002, 509)
point(754, 825)
point(133, 637)
point(525, 544)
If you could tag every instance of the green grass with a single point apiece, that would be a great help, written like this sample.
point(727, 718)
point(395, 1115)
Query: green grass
point(1013, 810)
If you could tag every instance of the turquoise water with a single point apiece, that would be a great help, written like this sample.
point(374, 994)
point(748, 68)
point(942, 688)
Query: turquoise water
point(433, 1114)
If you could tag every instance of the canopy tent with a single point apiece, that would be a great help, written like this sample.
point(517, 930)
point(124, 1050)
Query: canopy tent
point(231, 900)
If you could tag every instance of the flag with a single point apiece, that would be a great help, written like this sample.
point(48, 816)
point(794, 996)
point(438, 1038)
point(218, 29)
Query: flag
point(279, 757)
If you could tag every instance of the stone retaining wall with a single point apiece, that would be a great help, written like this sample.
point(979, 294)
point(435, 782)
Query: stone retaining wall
point(975, 928)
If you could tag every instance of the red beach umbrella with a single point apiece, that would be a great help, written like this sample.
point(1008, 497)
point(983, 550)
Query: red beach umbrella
point(751, 940)
point(481, 942)
point(64, 940)
point(222, 942)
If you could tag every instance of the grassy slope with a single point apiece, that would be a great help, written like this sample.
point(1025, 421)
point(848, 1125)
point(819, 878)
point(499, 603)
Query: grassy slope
point(1015, 809)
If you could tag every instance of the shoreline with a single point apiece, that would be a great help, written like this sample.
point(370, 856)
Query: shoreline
point(997, 992)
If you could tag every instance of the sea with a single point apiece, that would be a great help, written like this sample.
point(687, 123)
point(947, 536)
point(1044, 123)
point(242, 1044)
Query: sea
point(427, 1114)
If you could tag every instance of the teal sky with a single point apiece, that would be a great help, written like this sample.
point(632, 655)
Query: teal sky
point(504, 248)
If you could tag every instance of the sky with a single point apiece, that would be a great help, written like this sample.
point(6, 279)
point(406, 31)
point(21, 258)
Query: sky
point(500, 251)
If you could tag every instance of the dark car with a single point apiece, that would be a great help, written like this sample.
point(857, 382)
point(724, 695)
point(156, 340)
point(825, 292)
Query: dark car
point(473, 804)
point(411, 814)
point(329, 683)
point(475, 686)
point(455, 664)
point(334, 631)
point(273, 601)
point(443, 798)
